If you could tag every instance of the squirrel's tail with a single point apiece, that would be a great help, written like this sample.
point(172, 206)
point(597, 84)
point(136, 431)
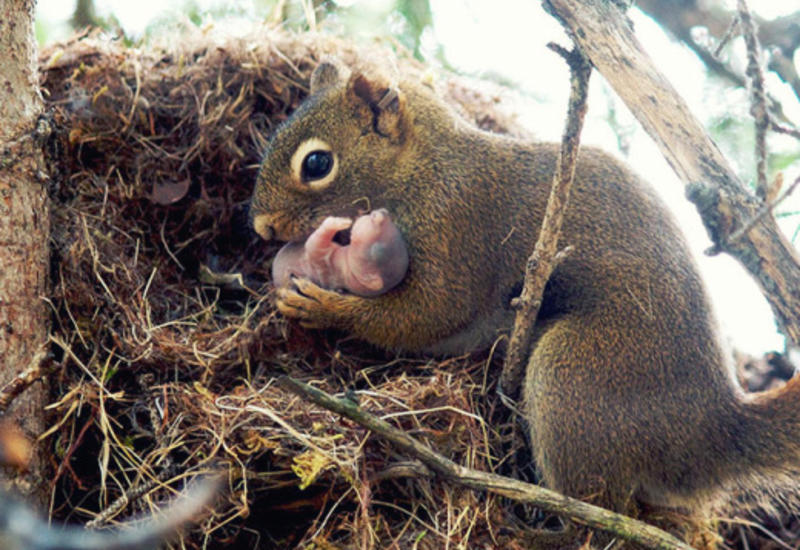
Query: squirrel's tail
point(748, 451)
point(763, 436)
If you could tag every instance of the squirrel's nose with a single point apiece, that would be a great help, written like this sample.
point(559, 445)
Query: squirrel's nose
point(262, 224)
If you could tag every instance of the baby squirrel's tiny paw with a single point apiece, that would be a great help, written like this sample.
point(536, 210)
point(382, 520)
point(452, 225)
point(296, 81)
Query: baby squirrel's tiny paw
point(312, 305)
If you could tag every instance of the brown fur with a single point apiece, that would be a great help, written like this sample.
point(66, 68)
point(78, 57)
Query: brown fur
point(629, 396)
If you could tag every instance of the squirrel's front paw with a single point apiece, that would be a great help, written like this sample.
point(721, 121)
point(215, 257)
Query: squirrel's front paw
point(312, 305)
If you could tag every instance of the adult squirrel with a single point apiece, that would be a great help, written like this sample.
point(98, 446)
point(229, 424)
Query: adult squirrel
point(631, 401)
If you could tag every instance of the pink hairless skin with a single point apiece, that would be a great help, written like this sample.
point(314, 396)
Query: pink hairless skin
point(374, 262)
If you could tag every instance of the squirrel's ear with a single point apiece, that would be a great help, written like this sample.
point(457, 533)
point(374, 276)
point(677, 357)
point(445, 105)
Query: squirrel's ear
point(327, 73)
point(384, 100)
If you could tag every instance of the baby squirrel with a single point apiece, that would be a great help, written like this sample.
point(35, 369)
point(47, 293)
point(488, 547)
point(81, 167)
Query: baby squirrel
point(373, 263)
point(630, 399)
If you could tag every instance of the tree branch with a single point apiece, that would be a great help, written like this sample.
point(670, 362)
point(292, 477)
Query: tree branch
point(604, 34)
point(578, 511)
point(758, 97)
point(545, 256)
point(780, 35)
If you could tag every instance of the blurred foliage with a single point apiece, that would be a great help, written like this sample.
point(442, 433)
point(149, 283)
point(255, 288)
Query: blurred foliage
point(782, 161)
point(85, 16)
point(735, 136)
point(418, 17)
point(408, 22)
point(619, 119)
point(405, 21)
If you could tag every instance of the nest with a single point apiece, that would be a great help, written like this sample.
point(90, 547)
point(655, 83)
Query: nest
point(167, 340)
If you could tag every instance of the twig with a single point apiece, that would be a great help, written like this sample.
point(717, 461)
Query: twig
point(579, 511)
point(781, 62)
point(545, 255)
point(764, 120)
point(758, 98)
point(765, 210)
point(40, 365)
point(729, 33)
point(783, 129)
point(131, 495)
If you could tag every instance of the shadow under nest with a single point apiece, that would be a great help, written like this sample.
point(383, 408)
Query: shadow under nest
point(167, 339)
point(168, 343)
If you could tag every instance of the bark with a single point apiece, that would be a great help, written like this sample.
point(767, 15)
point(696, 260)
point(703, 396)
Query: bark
point(725, 206)
point(84, 15)
point(24, 226)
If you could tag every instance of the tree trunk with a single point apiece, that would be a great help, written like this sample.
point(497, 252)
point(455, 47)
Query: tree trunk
point(24, 227)
point(84, 15)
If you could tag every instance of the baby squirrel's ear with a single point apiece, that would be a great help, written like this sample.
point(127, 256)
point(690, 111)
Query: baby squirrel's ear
point(328, 73)
point(385, 100)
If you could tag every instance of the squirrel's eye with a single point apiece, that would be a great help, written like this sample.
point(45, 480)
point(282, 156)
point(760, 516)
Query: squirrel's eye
point(316, 165)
